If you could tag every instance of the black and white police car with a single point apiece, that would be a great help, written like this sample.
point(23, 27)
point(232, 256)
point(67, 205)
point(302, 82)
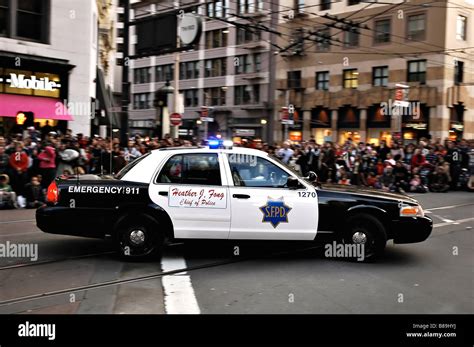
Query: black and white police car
point(225, 193)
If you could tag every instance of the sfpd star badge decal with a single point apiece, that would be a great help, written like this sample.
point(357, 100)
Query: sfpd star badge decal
point(275, 212)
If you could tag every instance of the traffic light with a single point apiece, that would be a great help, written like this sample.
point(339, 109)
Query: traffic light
point(20, 118)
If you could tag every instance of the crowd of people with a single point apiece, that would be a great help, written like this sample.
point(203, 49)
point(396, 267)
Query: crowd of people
point(417, 167)
point(30, 161)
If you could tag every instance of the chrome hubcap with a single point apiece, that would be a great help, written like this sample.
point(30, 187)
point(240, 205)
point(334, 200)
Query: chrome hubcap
point(359, 237)
point(137, 237)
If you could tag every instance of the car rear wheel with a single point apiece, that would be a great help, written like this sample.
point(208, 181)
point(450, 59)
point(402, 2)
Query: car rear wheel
point(367, 231)
point(139, 238)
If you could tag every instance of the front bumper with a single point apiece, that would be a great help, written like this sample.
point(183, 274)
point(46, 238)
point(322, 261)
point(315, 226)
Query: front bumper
point(411, 229)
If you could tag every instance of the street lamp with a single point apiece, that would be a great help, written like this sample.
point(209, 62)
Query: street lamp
point(161, 103)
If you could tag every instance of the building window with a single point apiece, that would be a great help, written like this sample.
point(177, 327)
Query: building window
point(294, 79)
point(246, 36)
point(25, 19)
point(248, 63)
point(350, 78)
point(216, 9)
point(4, 16)
point(416, 27)
point(31, 21)
point(215, 67)
point(322, 80)
point(380, 76)
point(191, 98)
point(246, 95)
point(325, 5)
point(164, 73)
point(323, 39)
point(459, 72)
point(382, 31)
point(215, 96)
point(189, 70)
point(353, 2)
point(351, 39)
point(417, 71)
point(461, 26)
point(142, 101)
point(299, 6)
point(216, 38)
point(249, 6)
point(142, 75)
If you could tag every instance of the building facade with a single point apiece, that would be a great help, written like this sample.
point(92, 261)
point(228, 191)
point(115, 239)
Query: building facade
point(343, 80)
point(228, 72)
point(50, 55)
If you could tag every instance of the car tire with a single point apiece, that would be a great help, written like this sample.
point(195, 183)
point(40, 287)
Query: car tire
point(138, 238)
point(368, 230)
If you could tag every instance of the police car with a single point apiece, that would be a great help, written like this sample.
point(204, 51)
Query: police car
point(224, 194)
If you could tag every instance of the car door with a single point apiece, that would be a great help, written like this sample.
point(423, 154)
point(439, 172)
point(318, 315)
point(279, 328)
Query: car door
point(192, 189)
point(263, 207)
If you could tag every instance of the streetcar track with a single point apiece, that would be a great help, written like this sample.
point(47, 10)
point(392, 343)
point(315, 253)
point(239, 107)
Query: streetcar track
point(146, 277)
point(50, 261)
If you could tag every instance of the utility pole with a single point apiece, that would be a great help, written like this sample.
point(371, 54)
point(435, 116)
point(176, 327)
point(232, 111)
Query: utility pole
point(177, 56)
point(125, 77)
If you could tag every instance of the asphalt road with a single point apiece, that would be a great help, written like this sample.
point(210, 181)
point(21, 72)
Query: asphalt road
point(76, 275)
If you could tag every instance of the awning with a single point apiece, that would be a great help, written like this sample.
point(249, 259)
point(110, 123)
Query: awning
point(43, 108)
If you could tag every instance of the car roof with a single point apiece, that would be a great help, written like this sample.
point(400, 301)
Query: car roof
point(233, 150)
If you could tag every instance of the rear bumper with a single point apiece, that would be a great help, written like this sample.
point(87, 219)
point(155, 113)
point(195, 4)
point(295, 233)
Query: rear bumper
point(411, 230)
point(70, 221)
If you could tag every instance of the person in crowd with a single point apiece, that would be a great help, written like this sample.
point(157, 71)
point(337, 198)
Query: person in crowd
point(285, 153)
point(19, 162)
point(34, 193)
point(416, 185)
point(4, 161)
point(402, 177)
point(8, 198)
point(440, 181)
point(47, 164)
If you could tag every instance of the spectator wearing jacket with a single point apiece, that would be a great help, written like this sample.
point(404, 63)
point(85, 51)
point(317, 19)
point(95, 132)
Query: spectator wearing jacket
point(47, 165)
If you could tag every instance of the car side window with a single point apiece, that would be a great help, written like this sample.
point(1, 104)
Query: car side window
point(257, 172)
point(201, 169)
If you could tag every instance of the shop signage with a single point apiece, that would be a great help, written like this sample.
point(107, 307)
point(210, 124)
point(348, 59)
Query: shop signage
point(244, 132)
point(22, 82)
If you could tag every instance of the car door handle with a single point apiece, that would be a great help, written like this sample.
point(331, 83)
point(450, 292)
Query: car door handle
point(163, 193)
point(241, 196)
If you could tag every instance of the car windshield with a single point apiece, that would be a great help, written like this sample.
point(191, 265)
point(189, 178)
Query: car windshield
point(289, 168)
point(130, 166)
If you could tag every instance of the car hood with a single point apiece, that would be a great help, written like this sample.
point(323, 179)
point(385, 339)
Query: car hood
point(372, 192)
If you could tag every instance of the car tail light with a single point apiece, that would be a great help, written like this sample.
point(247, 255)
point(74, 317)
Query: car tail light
point(53, 193)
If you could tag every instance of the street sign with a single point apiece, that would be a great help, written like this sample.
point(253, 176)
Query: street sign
point(205, 115)
point(175, 119)
point(401, 95)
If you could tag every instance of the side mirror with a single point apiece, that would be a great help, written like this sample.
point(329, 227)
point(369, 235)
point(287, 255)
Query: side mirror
point(292, 182)
point(312, 177)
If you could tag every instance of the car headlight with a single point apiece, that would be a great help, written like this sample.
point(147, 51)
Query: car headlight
point(411, 211)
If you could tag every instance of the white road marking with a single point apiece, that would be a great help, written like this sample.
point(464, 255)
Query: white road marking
point(18, 221)
point(447, 207)
point(178, 289)
point(453, 222)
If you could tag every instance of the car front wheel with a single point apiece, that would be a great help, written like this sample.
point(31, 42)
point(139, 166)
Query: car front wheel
point(368, 232)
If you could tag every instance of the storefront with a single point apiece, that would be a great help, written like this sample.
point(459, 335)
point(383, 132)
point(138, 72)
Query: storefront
point(321, 124)
point(37, 91)
point(456, 123)
point(415, 124)
point(348, 124)
point(294, 130)
point(378, 126)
